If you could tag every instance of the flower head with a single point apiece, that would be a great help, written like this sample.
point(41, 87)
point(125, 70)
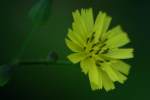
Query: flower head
point(98, 49)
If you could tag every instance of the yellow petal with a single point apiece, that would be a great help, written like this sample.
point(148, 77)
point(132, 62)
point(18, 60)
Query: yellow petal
point(93, 73)
point(87, 16)
point(101, 25)
point(107, 24)
point(100, 84)
point(86, 65)
point(121, 77)
point(107, 82)
point(76, 57)
point(94, 86)
point(108, 69)
point(113, 32)
point(79, 23)
point(117, 38)
point(73, 46)
point(121, 66)
point(120, 53)
point(75, 37)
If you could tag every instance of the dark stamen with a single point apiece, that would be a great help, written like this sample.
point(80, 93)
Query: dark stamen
point(105, 40)
point(90, 56)
point(107, 60)
point(84, 48)
point(94, 45)
point(91, 50)
point(105, 51)
point(92, 37)
point(103, 45)
point(98, 64)
point(100, 61)
point(87, 40)
point(98, 51)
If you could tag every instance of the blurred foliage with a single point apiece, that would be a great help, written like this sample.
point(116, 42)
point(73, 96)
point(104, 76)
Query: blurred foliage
point(5, 74)
point(40, 12)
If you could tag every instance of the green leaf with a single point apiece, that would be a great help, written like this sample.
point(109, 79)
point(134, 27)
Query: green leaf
point(5, 74)
point(40, 12)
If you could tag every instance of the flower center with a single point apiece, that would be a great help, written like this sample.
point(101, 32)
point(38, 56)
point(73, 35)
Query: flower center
point(95, 48)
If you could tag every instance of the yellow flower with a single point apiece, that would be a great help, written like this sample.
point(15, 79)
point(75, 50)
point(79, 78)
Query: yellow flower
point(98, 49)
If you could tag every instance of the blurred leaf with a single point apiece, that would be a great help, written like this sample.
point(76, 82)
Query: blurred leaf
point(40, 12)
point(5, 74)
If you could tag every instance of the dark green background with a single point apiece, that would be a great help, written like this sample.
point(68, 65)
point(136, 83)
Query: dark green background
point(67, 82)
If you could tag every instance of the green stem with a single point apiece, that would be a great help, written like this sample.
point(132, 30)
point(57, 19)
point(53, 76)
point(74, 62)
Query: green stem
point(25, 43)
point(40, 62)
point(43, 62)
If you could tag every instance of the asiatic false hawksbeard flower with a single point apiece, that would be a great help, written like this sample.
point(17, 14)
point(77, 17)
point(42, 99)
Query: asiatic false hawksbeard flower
point(98, 49)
